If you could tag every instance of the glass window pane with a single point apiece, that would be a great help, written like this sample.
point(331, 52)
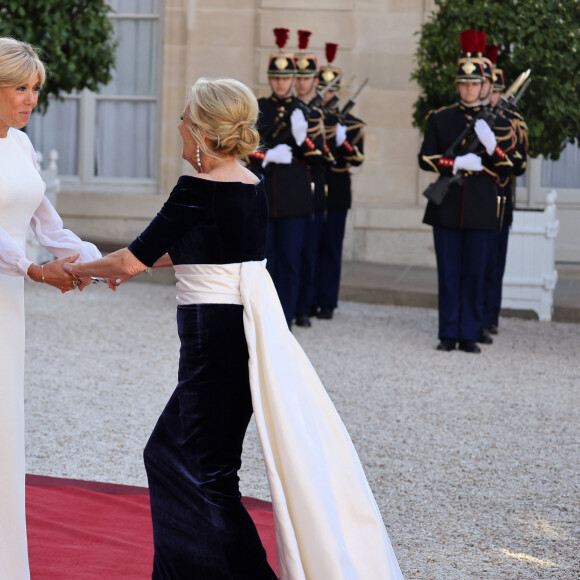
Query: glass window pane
point(58, 129)
point(565, 172)
point(125, 142)
point(136, 67)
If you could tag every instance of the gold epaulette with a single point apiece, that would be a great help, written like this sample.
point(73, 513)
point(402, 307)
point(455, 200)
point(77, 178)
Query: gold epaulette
point(507, 137)
point(351, 125)
point(516, 115)
point(330, 130)
point(521, 131)
point(352, 121)
point(316, 130)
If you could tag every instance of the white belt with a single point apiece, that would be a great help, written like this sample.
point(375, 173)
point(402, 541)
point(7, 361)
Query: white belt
point(209, 283)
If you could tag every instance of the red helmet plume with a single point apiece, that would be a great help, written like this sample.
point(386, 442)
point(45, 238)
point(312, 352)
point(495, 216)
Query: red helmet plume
point(330, 51)
point(281, 35)
point(468, 40)
point(303, 37)
point(491, 52)
point(481, 42)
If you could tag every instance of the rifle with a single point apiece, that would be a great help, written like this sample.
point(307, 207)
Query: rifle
point(437, 191)
point(317, 100)
point(330, 104)
point(352, 101)
point(348, 106)
point(334, 100)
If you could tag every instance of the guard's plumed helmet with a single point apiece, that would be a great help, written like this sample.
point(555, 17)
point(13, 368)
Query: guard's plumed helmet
point(306, 63)
point(327, 74)
point(469, 67)
point(281, 64)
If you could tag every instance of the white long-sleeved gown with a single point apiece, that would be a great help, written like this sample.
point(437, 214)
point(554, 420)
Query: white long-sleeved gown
point(22, 203)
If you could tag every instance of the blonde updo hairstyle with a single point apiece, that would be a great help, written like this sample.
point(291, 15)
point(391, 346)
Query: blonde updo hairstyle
point(224, 112)
point(19, 63)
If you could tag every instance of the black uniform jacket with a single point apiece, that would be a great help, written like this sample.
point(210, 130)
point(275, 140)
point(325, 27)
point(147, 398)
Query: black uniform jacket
point(475, 201)
point(288, 186)
point(318, 173)
point(349, 154)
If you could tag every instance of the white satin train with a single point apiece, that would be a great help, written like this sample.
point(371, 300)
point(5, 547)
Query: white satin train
point(328, 525)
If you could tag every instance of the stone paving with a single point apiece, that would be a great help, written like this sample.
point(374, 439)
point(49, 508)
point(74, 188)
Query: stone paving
point(473, 459)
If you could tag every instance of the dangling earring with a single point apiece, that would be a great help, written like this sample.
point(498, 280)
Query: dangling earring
point(198, 159)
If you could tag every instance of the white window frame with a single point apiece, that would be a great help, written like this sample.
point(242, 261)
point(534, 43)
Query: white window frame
point(86, 181)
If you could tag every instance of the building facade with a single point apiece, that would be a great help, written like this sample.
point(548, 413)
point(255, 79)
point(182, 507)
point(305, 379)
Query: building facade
point(120, 152)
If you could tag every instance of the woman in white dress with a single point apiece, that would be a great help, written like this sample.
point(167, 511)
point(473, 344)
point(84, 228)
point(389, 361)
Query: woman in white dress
point(22, 204)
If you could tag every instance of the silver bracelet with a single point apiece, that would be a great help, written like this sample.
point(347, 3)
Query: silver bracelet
point(42, 273)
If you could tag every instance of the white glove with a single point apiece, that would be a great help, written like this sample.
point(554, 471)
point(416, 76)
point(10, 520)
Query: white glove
point(485, 135)
point(299, 126)
point(340, 134)
point(280, 154)
point(468, 162)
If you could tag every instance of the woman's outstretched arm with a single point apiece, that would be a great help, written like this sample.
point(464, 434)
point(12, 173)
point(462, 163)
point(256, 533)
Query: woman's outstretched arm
point(120, 265)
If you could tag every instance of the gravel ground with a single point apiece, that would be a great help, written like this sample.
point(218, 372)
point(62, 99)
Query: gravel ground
point(473, 459)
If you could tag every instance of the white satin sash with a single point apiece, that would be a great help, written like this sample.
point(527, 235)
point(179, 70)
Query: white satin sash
point(328, 525)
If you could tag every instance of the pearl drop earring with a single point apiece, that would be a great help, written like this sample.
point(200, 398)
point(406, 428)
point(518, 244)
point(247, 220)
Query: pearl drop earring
point(198, 159)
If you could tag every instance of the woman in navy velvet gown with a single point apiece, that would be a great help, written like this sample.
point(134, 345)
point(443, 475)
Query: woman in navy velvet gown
point(201, 529)
point(238, 357)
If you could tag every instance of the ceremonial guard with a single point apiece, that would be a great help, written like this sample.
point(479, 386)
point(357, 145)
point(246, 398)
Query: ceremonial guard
point(469, 212)
point(485, 98)
point(346, 133)
point(498, 251)
point(305, 85)
point(287, 150)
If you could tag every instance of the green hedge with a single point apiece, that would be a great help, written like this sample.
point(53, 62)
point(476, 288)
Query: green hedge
point(75, 38)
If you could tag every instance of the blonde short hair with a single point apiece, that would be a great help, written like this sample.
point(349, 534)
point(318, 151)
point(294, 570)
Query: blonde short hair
point(224, 111)
point(19, 63)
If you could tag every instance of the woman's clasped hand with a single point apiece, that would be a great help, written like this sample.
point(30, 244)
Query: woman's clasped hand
point(53, 274)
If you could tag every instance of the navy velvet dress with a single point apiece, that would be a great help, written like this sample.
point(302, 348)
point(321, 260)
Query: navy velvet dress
point(201, 529)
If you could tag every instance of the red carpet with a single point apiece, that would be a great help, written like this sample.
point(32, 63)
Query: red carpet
point(80, 530)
